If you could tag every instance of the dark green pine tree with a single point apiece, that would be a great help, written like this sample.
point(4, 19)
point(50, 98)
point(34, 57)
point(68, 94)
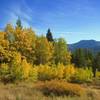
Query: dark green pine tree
point(18, 23)
point(78, 58)
point(82, 58)
point(49, 36)
point(96, 64)
point(88, 58)
point(98, 60)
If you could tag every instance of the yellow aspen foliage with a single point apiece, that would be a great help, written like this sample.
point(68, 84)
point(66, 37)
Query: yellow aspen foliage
point(18, 32)
point(2, 34)
point(60, 71)
point(43, 50)
point(15, 65)
point(26, 67)
point(69, 71)
point(4, 69)
point(25, 37)
point(3, 42)
point(33, 74)
point(25, 43)
point(29, 35)
point(16, 57)
point(45, 72)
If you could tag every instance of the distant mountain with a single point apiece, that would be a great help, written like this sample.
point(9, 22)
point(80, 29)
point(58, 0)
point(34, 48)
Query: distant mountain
point(86, 44)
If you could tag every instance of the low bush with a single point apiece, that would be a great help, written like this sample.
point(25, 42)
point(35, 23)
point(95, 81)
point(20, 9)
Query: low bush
point(33, 74)
point(5, 76)
point(18, 69)
point(60, 88)
point(82, 75)
point(98, 74)
point(69, 71)
point(60, 71)
point(46, 72)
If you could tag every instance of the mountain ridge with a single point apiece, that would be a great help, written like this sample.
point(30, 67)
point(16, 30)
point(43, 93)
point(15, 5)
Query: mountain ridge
point(85, 44)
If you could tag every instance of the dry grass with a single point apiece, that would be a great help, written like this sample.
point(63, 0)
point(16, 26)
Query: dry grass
point(27, 91)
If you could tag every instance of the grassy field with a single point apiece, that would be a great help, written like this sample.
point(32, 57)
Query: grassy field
point(27, 91)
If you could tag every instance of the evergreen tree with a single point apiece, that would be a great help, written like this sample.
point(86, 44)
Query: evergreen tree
point(98, 61)
point(78, 58)
point(88, 57)
point(96, 64)
point(49, 36)
point(18, 23)
point(82, 58)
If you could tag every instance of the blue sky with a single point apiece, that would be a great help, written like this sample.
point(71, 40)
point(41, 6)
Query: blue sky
point(74, 20)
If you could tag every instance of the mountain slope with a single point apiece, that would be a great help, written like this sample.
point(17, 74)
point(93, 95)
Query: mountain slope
point(86, 44)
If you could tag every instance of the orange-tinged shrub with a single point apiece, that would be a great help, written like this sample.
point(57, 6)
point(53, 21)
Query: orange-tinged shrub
point(58, 87)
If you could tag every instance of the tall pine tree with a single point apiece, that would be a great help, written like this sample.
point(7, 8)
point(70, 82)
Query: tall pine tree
point(96, 64)
point(18, 23)
point(49, 36)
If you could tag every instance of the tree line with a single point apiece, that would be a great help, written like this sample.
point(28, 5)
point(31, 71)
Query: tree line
point(38, 50)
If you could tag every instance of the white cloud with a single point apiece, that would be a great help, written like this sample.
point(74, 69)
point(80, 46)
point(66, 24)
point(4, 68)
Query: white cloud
point(22, 11)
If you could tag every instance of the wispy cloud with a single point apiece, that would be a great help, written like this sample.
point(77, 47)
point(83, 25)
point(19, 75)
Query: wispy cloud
point(23, 11)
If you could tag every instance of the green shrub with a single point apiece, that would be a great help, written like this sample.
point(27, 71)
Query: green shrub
point(4, 69)
point(16, 71)
point(5, 75)
point(98, 74)
point(82, 75)
point(33, 74)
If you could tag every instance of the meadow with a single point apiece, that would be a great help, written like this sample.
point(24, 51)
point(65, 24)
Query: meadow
point(28, 91)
